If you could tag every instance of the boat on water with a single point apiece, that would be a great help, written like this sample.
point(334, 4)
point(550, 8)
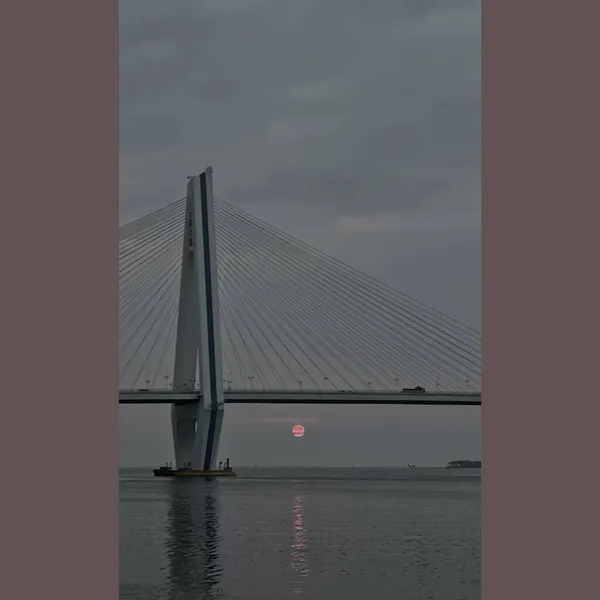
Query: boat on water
point(464, 464)
point(167, 470)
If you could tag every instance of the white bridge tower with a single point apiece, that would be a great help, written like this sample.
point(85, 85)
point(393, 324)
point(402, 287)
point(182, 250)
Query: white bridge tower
point(197, 427)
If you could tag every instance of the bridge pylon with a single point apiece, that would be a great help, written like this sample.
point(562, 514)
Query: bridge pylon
point(197, 427)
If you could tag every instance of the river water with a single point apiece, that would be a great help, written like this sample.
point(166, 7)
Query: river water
point(306, 534)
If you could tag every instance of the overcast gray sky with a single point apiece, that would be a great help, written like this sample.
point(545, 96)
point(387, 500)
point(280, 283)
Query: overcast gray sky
point(354, 126)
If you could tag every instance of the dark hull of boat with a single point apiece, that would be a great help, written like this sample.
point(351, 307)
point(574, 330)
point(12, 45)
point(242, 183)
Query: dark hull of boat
point(164, 473)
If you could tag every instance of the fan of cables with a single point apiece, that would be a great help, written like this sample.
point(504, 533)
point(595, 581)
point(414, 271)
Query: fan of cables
point(291, 317)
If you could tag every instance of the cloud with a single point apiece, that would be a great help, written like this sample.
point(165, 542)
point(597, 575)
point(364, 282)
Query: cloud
point(320, 102)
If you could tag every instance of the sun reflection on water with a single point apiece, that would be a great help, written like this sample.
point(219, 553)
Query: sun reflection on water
point(299, 546)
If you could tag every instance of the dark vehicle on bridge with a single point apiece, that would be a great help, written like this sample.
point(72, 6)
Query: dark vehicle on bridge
point(416, 390)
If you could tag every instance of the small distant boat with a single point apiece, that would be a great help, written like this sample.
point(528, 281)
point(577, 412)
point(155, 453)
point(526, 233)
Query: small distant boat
point(414, 390)
point(411, 466)
point(165, 471)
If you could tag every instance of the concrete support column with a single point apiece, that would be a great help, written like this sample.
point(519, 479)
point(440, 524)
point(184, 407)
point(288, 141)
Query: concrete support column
point(198, 351)
point(183, 422)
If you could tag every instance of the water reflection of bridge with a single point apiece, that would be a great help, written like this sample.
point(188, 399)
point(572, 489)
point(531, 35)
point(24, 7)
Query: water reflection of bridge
point(192, 542)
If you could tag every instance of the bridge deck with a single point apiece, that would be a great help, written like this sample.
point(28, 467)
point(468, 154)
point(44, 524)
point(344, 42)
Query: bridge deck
point(306, 397)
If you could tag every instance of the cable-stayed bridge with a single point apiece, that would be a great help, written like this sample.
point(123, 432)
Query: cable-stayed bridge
point(219, 307)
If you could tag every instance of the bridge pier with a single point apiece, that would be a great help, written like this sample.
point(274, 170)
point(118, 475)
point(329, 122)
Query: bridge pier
point(197, 428)
point(191, 424)
point(183, 422)
point(208, 436)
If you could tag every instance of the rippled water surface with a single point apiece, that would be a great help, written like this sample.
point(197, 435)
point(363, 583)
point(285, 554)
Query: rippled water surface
point(273, 534)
